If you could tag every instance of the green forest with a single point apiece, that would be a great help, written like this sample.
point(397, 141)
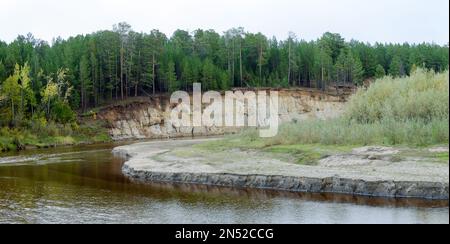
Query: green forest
point(42, 83)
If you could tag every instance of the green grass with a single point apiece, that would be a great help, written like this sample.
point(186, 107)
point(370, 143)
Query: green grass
point(304, 154)
point(442, 157)
point(52, 135)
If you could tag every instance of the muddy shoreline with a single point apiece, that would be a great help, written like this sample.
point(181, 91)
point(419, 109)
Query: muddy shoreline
point(143, 165)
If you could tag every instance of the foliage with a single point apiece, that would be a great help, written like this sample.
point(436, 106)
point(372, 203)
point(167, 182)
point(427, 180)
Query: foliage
point(403, 111)
point(43, 134)
point(118, 63)
point(62, 113)
point(422, 96)
point(379, 72)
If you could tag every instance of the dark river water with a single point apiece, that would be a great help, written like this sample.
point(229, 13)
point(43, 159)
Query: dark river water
point(85, 185)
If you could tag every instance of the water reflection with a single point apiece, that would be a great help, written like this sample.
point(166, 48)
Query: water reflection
point(85, 185)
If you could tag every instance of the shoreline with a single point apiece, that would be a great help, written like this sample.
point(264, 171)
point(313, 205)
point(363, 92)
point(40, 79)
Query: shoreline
point(435, 191)
point(142, 166)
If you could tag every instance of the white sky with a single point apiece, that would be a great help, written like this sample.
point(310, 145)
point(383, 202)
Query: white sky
point(365, 20)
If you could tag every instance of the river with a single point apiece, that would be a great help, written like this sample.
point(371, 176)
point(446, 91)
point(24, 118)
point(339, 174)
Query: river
point(85, 185)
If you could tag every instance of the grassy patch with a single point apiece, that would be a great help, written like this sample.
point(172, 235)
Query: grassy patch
point(307, 154)
point(301, 155)
point(52, 135)
point(188, 153)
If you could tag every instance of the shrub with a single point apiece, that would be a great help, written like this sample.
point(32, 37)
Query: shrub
point(424, 95)
point(62, 113)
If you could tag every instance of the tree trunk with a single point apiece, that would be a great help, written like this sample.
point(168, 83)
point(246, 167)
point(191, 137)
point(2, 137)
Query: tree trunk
point(121, 72)
point(116, 89)
point(94, 83)
point(82, 96)
point(12, 109)
point(153, 74)
point(128, 75)
point(289, 63)
point(138, 76)
point(229, 63)
point(21, 99)
point(48, 109)
point(240, 63)
point(260, 63)
point(234, 62)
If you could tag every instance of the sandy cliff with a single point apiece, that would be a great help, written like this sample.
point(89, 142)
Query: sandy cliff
point(151, 118)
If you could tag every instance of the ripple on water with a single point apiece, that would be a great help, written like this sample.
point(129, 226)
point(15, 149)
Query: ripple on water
point(46, 158)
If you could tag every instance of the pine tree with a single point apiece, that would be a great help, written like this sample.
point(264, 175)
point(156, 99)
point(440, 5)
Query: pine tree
point(208, 76)
point(84, 82)
point(341, 68)
point(2, 71)
point(396, 68)
point(379, 72)
point(357, 72)
point(323, 68)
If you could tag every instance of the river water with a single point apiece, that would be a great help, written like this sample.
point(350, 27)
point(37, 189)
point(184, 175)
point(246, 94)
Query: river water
point(85, 185)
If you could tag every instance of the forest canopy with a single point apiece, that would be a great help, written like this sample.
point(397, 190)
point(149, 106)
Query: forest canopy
point(88, 70)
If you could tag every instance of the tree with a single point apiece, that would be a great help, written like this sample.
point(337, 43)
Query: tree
point(49, 94)
point(224, 81)
point(334, 43)
point(341, 68)
point(349, 68)
point(241, 71)
point(26, 93)
point(262, 55)
point(208, 76)
point(311, 60)
point(171, 78)
point(18, 92)
point(291, 39)
point(55, 97)
point(235, 36)
point(396, 68)
point(2, 71)
point(357, 71)
point(123, 29)
point(84, 82)
point(65, 87)
point(11, 94)
point(366, 53)
point(62, 113)
point(323, 68)
point(154, 42)
point(230, 46)
point(191, 71)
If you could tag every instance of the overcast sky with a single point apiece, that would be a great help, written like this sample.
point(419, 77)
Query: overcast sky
point(366, 20)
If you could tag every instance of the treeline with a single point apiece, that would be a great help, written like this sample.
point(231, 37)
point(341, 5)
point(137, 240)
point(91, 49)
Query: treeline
point(88, 70)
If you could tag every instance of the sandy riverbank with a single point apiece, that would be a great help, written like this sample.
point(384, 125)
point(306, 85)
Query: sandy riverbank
point(369, 171)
